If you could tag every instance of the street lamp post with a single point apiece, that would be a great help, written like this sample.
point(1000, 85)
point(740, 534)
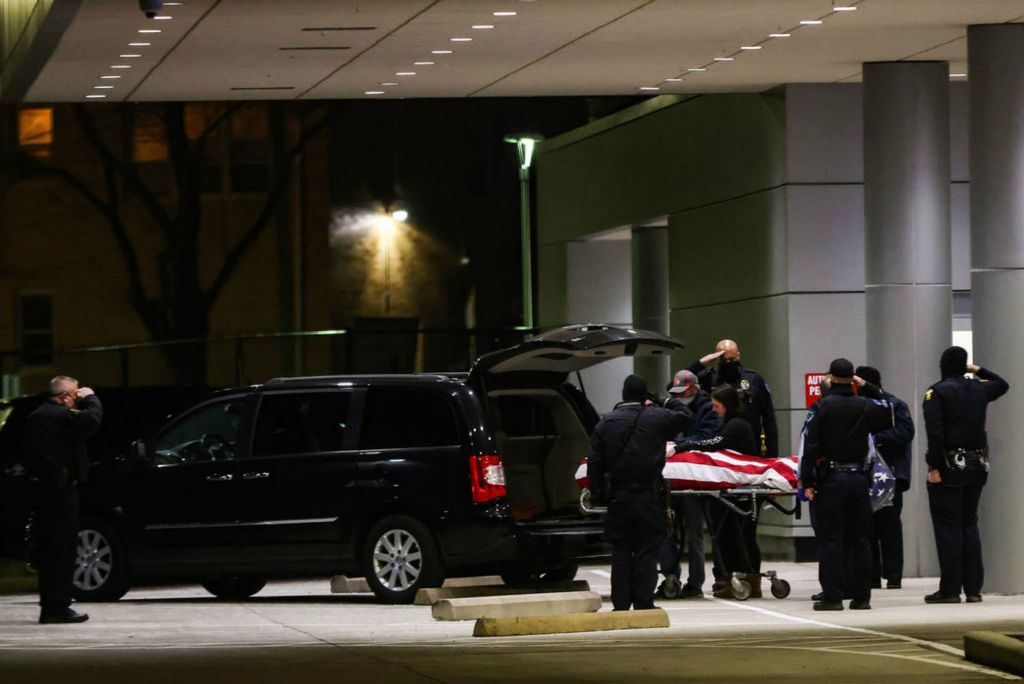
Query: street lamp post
point(525, 145)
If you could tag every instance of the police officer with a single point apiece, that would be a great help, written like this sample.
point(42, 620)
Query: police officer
point(624, 466)
point(54, 443)
point(834, 475)
point(691, 511)
point(893, 446)
point(760, 412)
point(957, 455)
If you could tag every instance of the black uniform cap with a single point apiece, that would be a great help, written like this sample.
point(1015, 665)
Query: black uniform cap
point(841, 368)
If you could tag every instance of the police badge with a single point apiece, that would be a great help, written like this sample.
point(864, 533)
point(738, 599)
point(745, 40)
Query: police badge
point(745, 384)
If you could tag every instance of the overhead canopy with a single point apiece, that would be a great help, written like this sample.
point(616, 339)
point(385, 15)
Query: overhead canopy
point(323, 49)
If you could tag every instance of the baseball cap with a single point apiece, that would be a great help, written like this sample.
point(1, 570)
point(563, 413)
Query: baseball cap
point(682, 382)
point(841, 368)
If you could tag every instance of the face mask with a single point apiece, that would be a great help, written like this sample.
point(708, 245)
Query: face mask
point(729, 370)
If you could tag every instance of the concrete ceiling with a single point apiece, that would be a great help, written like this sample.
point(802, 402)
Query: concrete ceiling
point(326, 49)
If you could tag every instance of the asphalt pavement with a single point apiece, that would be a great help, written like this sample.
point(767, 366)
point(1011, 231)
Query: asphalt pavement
point(298, 631)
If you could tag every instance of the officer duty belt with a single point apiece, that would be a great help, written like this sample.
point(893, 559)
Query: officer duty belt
point(959, 459)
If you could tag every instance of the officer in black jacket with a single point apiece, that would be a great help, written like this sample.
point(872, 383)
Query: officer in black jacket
point(893, 446)
point(760, 411)
point(834, 475)
point(54, 445)
point(957, 455)
point(624, 467)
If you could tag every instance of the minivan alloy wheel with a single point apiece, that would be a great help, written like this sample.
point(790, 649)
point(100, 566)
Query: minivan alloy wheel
point(397, 559)
point(93, 560)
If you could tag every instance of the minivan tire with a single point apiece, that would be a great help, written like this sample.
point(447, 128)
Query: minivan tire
point(234, 587)
point(101, 563)
point(399, 558)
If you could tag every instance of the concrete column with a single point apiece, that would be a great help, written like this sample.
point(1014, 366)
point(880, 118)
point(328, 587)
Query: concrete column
point(995, 63)
point(649, 256)
point(907, 255)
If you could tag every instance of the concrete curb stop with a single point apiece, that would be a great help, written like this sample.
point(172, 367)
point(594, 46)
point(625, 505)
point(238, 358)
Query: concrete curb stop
point(997, 650)
point(525, 605)
point(574, 622)
point(340, 584)
point(430, 596)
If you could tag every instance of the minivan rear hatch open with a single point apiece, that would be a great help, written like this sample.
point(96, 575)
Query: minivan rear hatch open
point(541, 423)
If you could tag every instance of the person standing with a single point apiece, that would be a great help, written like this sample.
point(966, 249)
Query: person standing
point(54, 443)
point(691, 510)
point(624, 467)
point(834, 475)
point(893, 445)
point(954, 418)
point(760, 411)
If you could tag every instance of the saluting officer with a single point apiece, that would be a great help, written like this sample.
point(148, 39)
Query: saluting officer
point(54, 443)
point(624, 466)
point(760, 411)
point(835, 477)
point(954, 418)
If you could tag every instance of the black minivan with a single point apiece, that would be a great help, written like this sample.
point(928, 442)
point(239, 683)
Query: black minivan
point(403, 479)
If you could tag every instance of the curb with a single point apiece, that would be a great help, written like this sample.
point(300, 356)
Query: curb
point(573, 622)
point(994, 649)
point(430, 596)
point(522, 605)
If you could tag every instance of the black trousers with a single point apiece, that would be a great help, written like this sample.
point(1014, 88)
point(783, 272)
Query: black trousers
point(887, 542)
point(736, 538)
point(843, 522)
point(55, 533)
point(636, 528)
point(954, 508)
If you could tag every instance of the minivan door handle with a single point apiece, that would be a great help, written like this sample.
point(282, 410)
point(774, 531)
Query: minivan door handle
point(220, 477)
point(255, 476)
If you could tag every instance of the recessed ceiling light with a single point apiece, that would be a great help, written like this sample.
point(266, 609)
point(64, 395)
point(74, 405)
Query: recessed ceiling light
point(461, 40)
point(120, 66)
point(423, 63)
point(129, 56)
point(94, 97)
point(673, 80)
point(649, 88)
point(958, 75)
point(162, 17)
point(696, 69)
point(374, 92)
point(779, 35)
point(389, 83)
point(405, 73)
point(103, 87)
point(811, 22)
point(139, 44)
point(441, 52)
point(725, 59)
point(750, 47)
point(109, 77)
point(483, 27)
point(173, 4)
point(504, 14)
point(150, 31)
point(845, 8)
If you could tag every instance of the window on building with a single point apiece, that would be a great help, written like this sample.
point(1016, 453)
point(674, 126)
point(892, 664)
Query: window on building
point(395, 419)
point(250, 150)
point(35, 329)
point(149, 139)
point(35, 131)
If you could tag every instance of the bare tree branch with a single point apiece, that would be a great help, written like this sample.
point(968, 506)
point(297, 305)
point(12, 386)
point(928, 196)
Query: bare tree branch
point(283, 174)
point(215, 124)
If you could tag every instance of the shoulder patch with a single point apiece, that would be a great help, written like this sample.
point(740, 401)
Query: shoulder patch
point(928, 394)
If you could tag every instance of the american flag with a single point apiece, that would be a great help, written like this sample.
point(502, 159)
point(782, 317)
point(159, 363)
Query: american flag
point(721, 470)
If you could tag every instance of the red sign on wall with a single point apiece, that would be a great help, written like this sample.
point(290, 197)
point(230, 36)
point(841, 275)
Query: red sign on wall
point(812, 392)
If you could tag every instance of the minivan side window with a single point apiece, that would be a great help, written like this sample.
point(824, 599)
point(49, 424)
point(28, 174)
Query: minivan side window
point(301, 423)
point(209, 433)
point(403, 418)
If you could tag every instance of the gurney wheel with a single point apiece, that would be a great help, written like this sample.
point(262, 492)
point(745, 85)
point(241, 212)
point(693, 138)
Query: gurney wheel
point(780, 588)
point(740, 589)
point(671, 587)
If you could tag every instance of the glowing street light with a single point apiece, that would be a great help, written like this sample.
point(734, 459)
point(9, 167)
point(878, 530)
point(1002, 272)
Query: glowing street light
point(525, 145)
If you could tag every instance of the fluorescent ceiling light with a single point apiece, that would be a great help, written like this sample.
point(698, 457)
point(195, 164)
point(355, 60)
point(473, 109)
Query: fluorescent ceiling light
point(405, 73)
point(845, 8)
point(139, 44)
point(103, 87)
point(725, 59)
point(106, 77)
point(150, 31)
point(779, 35)
point(173, 4)
point(673, 80)
point(461, 40)
point(441, 52)
point(483, 27)
point(423, 63)
point(811, 22)
point(504, 14)
point(696, 69)
point(389, 83)
point(374, 92)
point(94, 97)
point(958, 75)
point(162, 17)
point(129, 56)
point(649, 88)
point(750, 47)
point(120, 66)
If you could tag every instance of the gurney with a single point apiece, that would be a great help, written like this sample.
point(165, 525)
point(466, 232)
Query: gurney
point(742, 483)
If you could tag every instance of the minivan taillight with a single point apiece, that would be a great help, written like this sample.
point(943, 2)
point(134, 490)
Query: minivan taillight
point(486, 477)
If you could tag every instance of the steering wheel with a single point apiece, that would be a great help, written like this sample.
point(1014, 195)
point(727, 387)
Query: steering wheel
point(215, 447)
